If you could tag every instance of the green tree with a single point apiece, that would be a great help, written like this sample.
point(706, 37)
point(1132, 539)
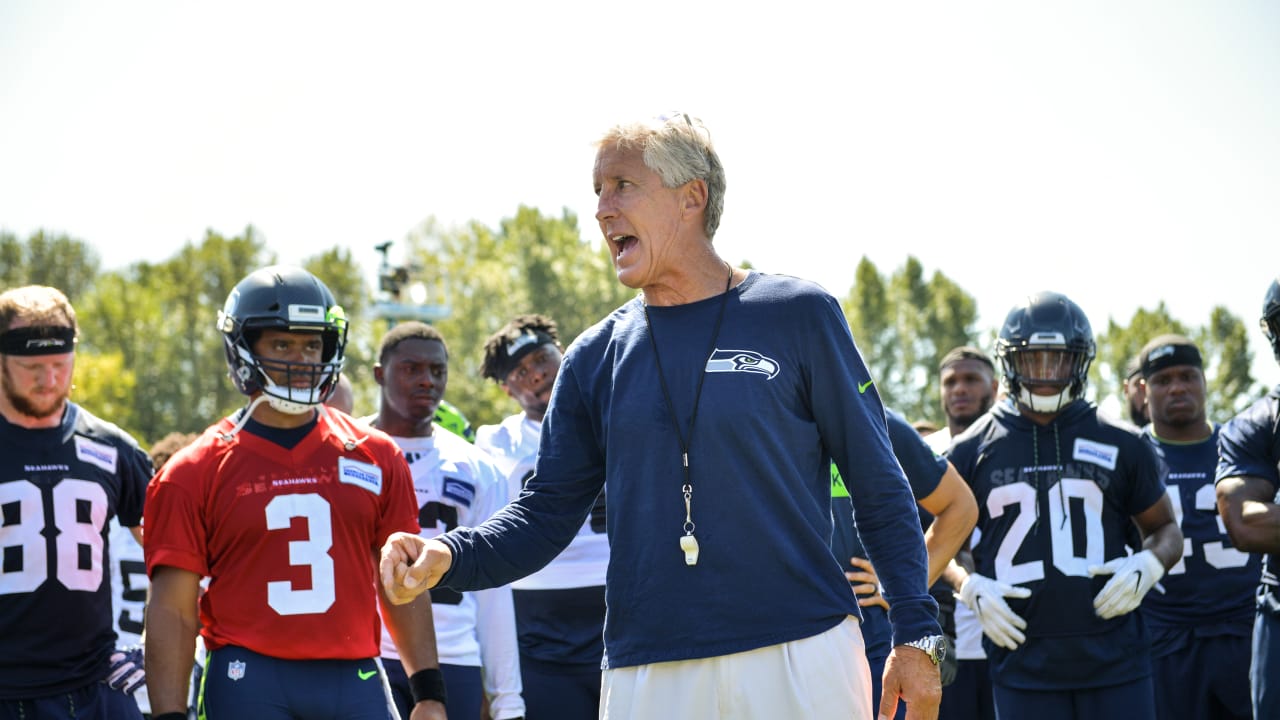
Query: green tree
point(1121, 343)
point(59, 261)
point(161, 318)
point(903, 326)
point(1223, 345)
point(531, 263)
point(338, 270)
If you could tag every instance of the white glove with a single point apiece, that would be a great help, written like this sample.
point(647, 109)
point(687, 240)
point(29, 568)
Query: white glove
point(1132, 577)
point(985, 597)
point(126, 673)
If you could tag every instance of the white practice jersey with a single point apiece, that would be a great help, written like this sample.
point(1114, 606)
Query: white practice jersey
point(514, 447)
point(128, 594)
point(459, 485)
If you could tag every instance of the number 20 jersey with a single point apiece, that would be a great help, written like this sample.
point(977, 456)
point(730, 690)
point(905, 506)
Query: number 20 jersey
point(1054, 500)
point(59, 487)
point(287, 536)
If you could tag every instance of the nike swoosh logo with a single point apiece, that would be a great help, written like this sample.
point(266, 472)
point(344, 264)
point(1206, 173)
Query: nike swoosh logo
point(366, 675)
point(862, 387)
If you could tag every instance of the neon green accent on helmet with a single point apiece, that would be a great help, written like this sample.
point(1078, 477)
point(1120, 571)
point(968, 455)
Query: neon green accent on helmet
point(337, 316)
point(452, 419)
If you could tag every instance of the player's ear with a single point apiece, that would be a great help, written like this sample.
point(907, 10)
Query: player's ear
point(377, 373)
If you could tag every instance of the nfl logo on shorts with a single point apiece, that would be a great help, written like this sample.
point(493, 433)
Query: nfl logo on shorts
point(235, 669)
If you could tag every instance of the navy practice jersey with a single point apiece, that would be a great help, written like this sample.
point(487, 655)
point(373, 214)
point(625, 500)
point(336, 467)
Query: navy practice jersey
point(1249, 444)
point(59, 488)
point(785, 393)
point(1053, 501)
point(924, 470)
point(1213, 583)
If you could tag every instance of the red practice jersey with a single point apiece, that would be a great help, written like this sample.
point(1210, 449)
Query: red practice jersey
point(287, 537)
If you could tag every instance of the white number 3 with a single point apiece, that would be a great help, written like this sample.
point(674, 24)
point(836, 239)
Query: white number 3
point(312, 552)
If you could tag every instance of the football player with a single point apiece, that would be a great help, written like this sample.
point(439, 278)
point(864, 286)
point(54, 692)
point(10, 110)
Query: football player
point(129, 568)
point(282, 506)
point(64, 476)
point(949, 511)
point(559, 609)
point(1248, 477)
point(1059, 486)
point(456, 484)
point(968, 386)
point(1200, 625)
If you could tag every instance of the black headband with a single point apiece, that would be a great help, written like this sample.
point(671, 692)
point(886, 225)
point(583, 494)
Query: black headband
point(1167, 355)
point(523, 344)
point(38, 340)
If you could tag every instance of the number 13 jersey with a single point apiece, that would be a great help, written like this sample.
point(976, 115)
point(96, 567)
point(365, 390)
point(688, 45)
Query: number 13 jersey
point(1054, 500)
point(288, 537)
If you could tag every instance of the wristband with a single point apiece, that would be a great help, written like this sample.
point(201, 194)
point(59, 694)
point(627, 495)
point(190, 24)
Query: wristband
point(170, 716)
point(426, 685)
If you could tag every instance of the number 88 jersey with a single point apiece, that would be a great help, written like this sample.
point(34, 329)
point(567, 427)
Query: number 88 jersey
point(288, 537)
point(1053, 501)
point(59, 488)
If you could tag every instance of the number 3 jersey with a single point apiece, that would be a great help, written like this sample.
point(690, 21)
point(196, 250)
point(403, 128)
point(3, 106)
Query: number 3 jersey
point(1054, 500)
point(288, 537)
point(59, 488)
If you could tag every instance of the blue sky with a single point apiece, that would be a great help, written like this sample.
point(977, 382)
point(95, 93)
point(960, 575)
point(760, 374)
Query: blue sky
point(1121, 153)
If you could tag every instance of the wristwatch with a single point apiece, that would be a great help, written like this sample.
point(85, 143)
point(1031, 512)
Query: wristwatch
point(935, 646)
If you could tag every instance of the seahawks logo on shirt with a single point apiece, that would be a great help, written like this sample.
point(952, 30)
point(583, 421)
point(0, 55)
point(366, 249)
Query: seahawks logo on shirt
point(745, 361)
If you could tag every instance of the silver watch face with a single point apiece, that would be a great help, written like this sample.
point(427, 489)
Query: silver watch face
point(933, 645)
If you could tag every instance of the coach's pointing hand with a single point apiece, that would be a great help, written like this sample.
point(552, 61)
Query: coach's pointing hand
point(411, 564)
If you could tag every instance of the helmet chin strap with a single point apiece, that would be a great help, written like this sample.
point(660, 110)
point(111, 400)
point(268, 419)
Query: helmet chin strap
point(1044, 403)
point(291, 405)
point(244, 418)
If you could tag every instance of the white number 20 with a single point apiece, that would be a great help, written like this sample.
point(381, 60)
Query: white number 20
point(1061, 529)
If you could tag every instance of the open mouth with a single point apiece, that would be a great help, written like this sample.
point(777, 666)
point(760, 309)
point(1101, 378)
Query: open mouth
point(623, 243)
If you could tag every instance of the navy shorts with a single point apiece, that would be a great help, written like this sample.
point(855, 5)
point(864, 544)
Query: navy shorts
point(1200, 677)
point(968, 697)
point(91, 702)
point(240, 684)
point(558, 691)
point(462, 683)
point(1130, 701)
point(1264, 673)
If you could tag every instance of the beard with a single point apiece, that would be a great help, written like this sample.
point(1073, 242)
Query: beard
point(25, 405)
point(984, 404)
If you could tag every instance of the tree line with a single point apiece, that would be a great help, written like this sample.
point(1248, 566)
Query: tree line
point(151, 361)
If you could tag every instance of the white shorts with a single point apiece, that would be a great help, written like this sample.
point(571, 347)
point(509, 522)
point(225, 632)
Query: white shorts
point(819, 677)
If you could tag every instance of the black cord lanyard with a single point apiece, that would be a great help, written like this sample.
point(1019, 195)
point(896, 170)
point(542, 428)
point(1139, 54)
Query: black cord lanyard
point(688, 543)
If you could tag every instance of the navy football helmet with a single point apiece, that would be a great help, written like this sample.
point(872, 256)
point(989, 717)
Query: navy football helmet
point(1270, 321)
point(1046, 340)
point(283, 298)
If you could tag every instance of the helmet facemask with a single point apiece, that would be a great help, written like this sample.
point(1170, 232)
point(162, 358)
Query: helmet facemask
point(301, 385)
point(1046, 342)
point(1271, 328)
point(1055, 367)
point(285, 299)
